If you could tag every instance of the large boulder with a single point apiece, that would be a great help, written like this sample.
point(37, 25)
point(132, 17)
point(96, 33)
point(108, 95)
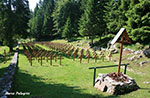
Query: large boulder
point(124, 84)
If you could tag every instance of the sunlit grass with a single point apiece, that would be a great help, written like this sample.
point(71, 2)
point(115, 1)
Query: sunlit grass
point(71, 79)
point(3, 64)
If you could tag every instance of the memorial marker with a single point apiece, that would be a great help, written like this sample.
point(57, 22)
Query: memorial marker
point(121, 37)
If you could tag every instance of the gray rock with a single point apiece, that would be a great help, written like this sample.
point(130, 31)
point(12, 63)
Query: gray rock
point(143, 62)
point(106, 84)
point(132, 58)
point(138, 52)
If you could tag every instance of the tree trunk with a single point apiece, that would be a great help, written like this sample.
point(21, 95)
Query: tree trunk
point(10, 48)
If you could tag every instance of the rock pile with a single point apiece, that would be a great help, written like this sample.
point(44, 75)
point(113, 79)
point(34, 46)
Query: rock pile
point(106, 83)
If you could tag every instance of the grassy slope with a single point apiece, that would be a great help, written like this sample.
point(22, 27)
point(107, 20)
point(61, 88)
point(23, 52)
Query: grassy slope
point(71, 80)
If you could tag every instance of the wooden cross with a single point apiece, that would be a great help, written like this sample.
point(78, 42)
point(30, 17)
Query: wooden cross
point(51, 59)
point(81, 55)
point(102, 56)
point(48, 55)
point(88, 55)
point(122, 34)
point(95, 56)
point(109, 56)
point(60, 58)
point(75, 53)
point(41, 57)
point(30, 60)
point(55, 55)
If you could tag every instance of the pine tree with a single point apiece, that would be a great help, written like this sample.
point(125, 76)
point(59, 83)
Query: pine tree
point(138, 23)
point(14, 18)
point(63, 10)
point(112, 14)
point(41, 23)
point(67, 29)
point(47, 28)
point(92, 22)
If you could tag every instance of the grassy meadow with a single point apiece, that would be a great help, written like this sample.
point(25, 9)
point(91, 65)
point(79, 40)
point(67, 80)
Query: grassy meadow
point(72, 79)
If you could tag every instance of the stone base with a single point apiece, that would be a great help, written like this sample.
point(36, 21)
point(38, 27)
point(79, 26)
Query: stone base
point(105, 83)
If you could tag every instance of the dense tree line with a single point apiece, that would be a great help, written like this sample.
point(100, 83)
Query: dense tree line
point(90, 18)
point(41, 24)
point(134, 15)
point(14, 16)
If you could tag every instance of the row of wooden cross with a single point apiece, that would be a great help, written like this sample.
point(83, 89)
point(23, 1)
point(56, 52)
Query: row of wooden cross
point(36, 53)
point(72, 51)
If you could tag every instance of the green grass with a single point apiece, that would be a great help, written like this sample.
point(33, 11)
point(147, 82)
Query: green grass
point(9, 56)
point(71, 80)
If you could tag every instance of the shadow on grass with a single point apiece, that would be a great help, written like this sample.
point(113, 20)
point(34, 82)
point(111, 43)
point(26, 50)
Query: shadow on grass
point(103, 42)
point(74, 39)
point(25, 82)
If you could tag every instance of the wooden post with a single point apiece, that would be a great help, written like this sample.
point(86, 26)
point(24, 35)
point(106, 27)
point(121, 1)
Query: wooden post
point(102, 56)
point(121, 48)
point(125, 68)
point(51, 58)
point(81, 55)
point(75, 54)
point(81, 59)
point(41, 60)
point(5, 56)
point(60, 59)
point(30, 60)
point(88, 55)
point(95, 56)
point(94, 76)
point(109, 56)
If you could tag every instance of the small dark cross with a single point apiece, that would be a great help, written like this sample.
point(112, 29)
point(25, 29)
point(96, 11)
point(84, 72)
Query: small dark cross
point(51, 59)
point(88, 55)
point(30, 58)
point(95, 56)
point(109, 56)
point(54, 55)
point(75, 54)
point(60, 58)
point(48, 55)
point(81, 55)
point(102, 56)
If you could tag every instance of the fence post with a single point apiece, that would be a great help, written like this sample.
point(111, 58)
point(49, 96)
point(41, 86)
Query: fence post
point(94, 76)
point(125, 68)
